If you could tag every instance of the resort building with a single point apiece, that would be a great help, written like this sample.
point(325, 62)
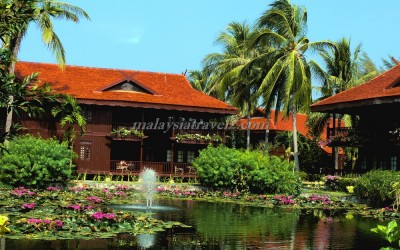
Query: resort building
point(258, 125)
point(375, 107)
point(135, 119)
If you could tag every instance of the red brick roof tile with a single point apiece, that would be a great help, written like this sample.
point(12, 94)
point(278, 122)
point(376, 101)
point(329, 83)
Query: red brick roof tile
point(385, 85)
point(171, 91)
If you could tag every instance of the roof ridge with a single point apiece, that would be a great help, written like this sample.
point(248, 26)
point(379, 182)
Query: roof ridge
point(103, 68)
point(371, 81)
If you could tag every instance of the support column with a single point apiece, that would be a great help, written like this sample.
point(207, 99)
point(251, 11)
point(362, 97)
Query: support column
point(141, 156)
point(334, 149)
point(172, 158)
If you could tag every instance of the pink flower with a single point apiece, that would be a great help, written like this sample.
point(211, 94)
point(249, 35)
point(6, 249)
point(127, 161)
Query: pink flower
point(119, 193)
point(47, 221)
point(93, 199)
point(29, 206)
point(34, 221)
point(53, 188)
point(100, 215)
point(21, 192)
point(74, 207)
point(59, 223)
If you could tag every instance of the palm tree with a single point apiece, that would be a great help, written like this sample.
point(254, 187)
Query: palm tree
point(288, 80)
point(69, 113)
point(15, 15)
point(201, 80)
point(390, 63)
point(229, 78)
point(44, 11)
point(344, 69)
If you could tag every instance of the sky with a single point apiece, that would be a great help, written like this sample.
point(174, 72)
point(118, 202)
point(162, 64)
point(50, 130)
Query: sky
point(175, 35)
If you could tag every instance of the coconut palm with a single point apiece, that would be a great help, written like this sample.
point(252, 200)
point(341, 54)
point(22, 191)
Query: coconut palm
point(229, 79)
point(390, 63)
point(288, 80)
point(43, 13)
point(344, 69)
point(15, 15)
point(201, 80)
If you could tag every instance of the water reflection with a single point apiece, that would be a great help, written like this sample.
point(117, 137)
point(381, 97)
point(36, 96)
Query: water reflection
point(233, 226)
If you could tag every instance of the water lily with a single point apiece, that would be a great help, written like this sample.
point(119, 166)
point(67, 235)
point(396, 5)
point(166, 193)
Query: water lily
point(350, 189)
point(93, 199)
point(3, 225)
point(21, 192)
point(100, 215)
point(53, 188)
point(28, 206)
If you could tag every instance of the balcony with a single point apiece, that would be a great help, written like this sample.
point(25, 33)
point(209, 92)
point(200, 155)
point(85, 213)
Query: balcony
point(345, 136)
point(353, 137)
point(121, 167)
point(126, 132)
point(188, 136)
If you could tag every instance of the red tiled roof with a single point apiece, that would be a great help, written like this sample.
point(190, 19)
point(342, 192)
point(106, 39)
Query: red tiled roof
point(284, 124)
point(385, 85)
point(170, 91)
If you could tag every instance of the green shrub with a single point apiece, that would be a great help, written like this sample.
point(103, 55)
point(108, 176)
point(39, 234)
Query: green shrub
point(34, 162)
point(337, 183)
point(234, 169)
point(376, 187)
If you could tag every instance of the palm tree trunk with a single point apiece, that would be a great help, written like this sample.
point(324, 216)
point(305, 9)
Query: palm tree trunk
point(248, 130)
point(295, 148)
point(14, 46)
point(267, 132)
point(337, 148)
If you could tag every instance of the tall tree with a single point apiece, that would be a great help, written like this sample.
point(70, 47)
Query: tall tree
point(390, 62)
point(344, 69)
point(288, 80)
point(43, 13)
point(229, 78)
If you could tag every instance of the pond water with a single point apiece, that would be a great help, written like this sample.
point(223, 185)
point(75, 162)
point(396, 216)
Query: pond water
point(233, 226)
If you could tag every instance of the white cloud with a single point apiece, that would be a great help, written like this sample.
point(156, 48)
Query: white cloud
point(132, 36)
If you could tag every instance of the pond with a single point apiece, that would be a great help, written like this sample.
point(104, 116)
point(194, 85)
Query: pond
point(234, 226)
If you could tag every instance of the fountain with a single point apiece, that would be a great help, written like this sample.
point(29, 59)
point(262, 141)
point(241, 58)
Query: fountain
point(149, 185)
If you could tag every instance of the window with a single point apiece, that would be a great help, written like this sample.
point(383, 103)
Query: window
point(87, 114)
point(85, 151)
point(169, 155)
point(180, 156)
point(393, 163)
point(190, 156)
point(364, 163)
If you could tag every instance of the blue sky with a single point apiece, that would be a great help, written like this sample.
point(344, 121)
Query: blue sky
point(175, 35)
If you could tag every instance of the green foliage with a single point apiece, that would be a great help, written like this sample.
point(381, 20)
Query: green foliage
point(199, 137)
point(376, 187)
point(34, 162)
point(312, 158)
point(336, 183)
point(124, 132)
point(226, 168)
point(390, 232)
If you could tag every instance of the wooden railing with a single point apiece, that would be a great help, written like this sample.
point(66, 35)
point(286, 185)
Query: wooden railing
point(343, 131)
point(161, 168)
